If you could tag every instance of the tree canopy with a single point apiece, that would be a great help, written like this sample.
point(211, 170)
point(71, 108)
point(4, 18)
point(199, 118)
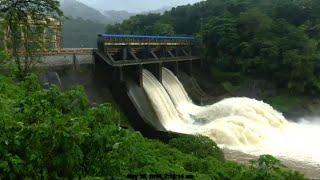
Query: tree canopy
point(35, 8)
point(275, 40)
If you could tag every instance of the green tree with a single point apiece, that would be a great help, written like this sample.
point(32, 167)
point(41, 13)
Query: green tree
point(220, 38)
point(268, 167)
point(253, 22)
point(162, 28)
point(199, 146)
point(19, 16)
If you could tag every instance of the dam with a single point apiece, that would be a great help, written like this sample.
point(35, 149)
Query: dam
point(141, 72)
point(121, 61)
point(142, 75)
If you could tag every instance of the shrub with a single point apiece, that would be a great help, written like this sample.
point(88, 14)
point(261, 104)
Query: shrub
point(199, 146)
point(268, 167)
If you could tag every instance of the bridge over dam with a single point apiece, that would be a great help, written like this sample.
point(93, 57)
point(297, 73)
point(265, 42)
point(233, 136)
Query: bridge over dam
point(129, 54)
point(120, 61)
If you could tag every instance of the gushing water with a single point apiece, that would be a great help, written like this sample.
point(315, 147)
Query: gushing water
point(179, 96)
point(165, 109)
point(241, 124)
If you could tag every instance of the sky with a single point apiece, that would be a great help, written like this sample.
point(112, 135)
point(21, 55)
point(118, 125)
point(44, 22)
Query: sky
point(135, 5)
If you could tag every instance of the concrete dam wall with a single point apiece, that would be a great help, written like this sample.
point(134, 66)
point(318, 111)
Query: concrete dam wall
point(66, 71)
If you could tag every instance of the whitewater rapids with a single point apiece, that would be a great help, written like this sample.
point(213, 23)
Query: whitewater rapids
point(243, 124)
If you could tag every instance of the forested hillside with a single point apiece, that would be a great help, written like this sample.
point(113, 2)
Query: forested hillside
point(76, 9)
point(269, 39)
point(117, 16)
point(84, 23)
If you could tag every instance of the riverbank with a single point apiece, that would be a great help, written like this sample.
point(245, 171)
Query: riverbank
point(311, 171)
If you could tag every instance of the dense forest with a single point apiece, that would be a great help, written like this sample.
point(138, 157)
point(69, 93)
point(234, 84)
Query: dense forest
point(270, 39)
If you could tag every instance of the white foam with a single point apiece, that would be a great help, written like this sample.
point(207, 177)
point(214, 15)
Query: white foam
point(241, 123)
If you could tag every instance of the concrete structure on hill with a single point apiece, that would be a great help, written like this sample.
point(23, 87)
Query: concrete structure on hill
point(51, 35)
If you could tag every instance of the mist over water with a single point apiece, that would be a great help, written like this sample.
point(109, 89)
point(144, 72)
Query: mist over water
point(298, 141)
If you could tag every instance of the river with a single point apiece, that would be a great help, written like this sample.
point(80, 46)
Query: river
point(245, 128)
point(312, 171)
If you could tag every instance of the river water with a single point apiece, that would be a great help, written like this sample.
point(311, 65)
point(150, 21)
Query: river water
point(245, 128)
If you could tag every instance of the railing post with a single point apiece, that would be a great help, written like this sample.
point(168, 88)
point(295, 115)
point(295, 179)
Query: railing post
point(76, 63)
point(138, 75)
point(157, 71)
point(125, 53)
point(176, 67)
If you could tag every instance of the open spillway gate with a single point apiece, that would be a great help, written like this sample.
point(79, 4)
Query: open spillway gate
point(119, 61)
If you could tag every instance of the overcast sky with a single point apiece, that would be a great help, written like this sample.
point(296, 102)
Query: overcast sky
point(135, 5)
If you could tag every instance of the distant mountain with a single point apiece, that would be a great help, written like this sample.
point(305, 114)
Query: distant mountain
point(75, 9)
point(159, 11)
point(84, 22)
point(135, 6)
point(118, 16)
point(79, 33)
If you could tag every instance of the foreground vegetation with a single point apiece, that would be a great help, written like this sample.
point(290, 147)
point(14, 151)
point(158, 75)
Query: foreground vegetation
point(49, 134)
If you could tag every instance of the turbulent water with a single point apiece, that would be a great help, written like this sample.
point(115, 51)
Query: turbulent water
point(242, 124)
point(164, 107)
